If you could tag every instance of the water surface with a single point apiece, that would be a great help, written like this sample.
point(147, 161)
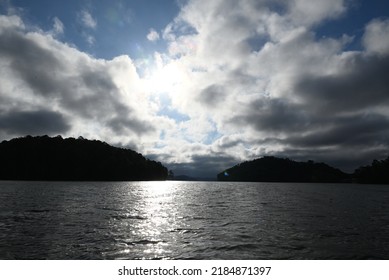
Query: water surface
point(193, 220)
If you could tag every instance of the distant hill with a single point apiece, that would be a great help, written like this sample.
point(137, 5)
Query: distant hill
point(46, 158)
point(376, 173)
point(273, 169)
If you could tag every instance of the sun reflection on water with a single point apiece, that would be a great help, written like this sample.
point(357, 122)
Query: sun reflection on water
point(160, 210)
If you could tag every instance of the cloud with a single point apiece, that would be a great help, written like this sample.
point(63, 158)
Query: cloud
point(12, 21)
point(252, 78)
point(90, 39)
point(87, 20)
point(357, 131)
point(358, 84)
point(211, 96)
point(58, 27)
point(376, 38)
point(153, 35)
point(89, 24)
point(310, 12)
point(274, 116)
point(67, 91)
point(270, 86)
point(33, 122)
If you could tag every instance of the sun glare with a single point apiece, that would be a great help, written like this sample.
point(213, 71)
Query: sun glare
point(164, 78)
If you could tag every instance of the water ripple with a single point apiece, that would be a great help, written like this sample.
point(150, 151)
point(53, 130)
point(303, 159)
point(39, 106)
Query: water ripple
point(192, 220)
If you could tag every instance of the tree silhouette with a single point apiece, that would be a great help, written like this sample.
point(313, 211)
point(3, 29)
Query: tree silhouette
point(273, 169)
point(376, 173)
point(45, 158)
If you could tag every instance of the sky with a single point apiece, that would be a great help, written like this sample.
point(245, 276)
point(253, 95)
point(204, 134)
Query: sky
point(201, 85)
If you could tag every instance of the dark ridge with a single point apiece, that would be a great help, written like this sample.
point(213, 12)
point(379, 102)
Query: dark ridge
point(273, 169)
point(376, 173)
point(57, 159)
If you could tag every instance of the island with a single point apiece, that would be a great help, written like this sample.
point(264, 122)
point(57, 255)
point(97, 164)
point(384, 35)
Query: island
point(273, 169)
point(57, 159)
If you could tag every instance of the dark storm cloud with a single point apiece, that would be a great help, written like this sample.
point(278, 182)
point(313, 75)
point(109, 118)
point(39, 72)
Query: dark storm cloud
point(33, 122)
point(363, 82)
point(352, 131)
point(273, 115)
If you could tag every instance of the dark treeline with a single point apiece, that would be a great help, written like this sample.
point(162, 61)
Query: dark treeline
point(273, 169)
point(46, 158)
point(376, 173)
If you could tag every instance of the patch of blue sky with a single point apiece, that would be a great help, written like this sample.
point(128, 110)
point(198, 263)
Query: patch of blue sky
point(162, 135)
point(66, 11)
point(121, 29)
point(353, 22)
point(213, 135)
point(130, 37)
point(257, 42)
point(175, 115)
point(167, 110)
point(161, 143)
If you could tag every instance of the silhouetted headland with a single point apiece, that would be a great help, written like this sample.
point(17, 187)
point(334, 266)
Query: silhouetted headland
point(70, 159)
point(273, 169)
point(376, 173)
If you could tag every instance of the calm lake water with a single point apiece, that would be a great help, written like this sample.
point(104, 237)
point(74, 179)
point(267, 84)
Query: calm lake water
point(193, 220)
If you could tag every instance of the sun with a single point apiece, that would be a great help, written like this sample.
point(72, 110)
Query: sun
point(164, 78)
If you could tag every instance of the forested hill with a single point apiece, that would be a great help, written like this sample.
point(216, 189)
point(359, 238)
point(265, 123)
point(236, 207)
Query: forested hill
point(272, 169)
point(46, 158)
point(376, 173)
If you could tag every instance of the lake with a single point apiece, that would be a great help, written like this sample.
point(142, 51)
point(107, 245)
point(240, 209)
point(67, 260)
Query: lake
point(193, 220)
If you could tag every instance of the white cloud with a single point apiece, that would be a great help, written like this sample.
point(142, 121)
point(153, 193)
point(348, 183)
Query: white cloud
point(70, 92)
point(58, 27)
point(376, 39)
point(12, 21)
point(90, 39)
point(89, 24)
point(153, 35)
point(308, 12)
point(87, 19)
